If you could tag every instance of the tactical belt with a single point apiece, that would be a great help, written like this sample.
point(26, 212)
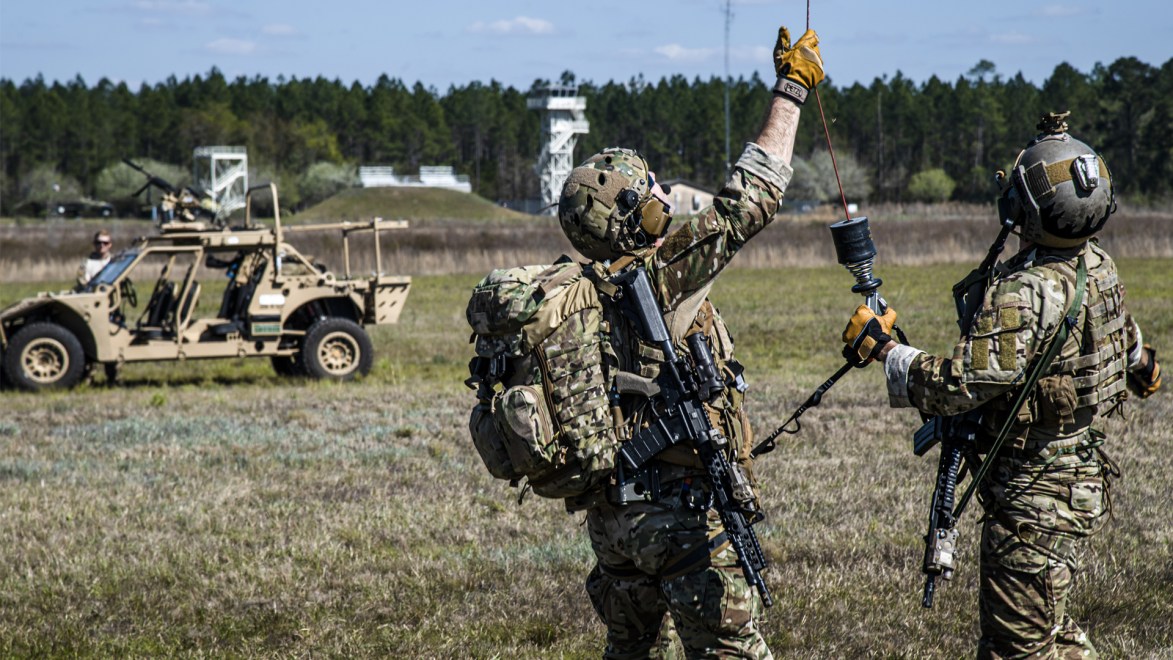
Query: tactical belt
point(649, 482)
point(1049, 450)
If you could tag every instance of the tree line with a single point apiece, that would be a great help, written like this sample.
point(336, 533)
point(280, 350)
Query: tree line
point(894, 139)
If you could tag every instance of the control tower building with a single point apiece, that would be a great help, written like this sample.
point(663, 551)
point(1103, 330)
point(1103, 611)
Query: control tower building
point(563, 119)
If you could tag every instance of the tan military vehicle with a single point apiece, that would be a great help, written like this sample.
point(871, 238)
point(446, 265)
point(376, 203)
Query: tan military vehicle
point(278, 303)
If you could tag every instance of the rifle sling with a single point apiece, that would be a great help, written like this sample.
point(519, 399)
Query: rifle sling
point(1032, 379)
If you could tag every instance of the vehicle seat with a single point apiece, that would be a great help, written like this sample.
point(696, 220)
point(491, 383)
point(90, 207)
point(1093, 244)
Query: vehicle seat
point(158, 310)
point(187, 306)
point(236, 301)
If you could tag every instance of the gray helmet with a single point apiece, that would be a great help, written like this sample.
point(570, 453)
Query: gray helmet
point(608, 205)
point(1060, 191)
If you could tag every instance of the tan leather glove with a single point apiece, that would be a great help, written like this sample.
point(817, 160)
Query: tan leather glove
point(1144, 382)
point(866, 333)
point(799, 67)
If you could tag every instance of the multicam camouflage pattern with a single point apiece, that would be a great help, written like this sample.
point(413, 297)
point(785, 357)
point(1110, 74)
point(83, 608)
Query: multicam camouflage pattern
point(634, 543)
point(1021, 312)
point(588, 210)
point(713, 609)
point(705, 592)
point(549, 422)
point(691, 257)
point(1039, 502)
point(1049, 487)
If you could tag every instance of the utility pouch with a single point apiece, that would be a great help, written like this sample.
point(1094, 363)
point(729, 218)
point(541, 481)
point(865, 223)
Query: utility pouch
point(523, 419)
point(489, 442)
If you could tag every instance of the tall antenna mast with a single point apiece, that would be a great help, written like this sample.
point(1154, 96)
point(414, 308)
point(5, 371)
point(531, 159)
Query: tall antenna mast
point(728, 22)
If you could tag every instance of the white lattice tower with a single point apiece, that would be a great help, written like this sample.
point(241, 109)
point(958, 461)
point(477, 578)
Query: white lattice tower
point(223, 172)
point(563, 118)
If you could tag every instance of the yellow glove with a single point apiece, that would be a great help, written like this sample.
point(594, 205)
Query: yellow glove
point(866, 333)
point(1146, 381)
point(799, 67)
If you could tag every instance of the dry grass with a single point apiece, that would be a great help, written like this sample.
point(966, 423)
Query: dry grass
point(40, 252)
point(212, 509)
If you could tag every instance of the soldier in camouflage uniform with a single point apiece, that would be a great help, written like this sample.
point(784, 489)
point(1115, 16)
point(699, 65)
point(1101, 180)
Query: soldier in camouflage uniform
point(1049, 485)
point(661, 556)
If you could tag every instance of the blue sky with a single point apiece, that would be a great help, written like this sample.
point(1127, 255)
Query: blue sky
point(445, 42)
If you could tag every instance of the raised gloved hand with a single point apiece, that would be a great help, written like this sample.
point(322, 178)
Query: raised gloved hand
point(866, 334)
point(1145, 381)
point(799, 67)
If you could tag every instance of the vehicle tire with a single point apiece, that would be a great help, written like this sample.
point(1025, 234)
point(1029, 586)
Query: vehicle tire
point(44, 356)
point(288, 365)
point(336, 349)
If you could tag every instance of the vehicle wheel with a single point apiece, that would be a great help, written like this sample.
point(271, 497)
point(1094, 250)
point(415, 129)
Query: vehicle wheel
point(337, 349)
point(43, 356)
point(288, 365)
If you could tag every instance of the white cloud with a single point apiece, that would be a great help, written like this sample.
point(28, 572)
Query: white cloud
point(280, 30)
point(519, 25)
point(185, 7)
point(762, 54)
point(1058, 11)
point(1012, 38)
point(230, 46)
point(678, 53)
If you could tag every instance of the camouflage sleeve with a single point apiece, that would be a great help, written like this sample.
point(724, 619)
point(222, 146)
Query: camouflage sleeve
point(692, 256)
point(1018, 316)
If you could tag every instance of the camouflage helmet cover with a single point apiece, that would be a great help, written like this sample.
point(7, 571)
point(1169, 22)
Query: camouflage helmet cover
point(594, 207)
point(1060, 190)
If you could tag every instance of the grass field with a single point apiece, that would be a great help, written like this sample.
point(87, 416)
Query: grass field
point(214, 509)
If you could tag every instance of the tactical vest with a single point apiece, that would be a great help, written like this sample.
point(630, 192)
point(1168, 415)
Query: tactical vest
point(1098, 370)
point(630, 361)
point(1087, 378)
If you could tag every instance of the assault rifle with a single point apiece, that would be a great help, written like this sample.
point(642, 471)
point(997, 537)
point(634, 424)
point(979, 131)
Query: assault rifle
point(678, 415)
point(957, 434)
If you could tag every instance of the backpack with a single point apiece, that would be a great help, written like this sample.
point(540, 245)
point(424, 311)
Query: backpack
point(542, 410)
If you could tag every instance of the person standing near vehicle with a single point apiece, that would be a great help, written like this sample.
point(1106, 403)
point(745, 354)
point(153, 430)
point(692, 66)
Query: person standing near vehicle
point(97, 259)
point(1061, 298)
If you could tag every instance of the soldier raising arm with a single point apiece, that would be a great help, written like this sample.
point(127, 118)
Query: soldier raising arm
point(1048, 483)
point(658, 542)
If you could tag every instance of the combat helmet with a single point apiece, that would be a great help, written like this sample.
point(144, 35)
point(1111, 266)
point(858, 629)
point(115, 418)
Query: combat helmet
point(1060, 190)
point(611, 205)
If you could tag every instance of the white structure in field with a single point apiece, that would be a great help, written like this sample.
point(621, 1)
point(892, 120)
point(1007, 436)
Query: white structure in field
point(430, 176)
point(223, 172)
point(563, 119)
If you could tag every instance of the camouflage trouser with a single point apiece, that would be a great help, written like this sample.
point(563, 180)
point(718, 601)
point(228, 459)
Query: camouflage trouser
point(1036, 512)
point(640, 549)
